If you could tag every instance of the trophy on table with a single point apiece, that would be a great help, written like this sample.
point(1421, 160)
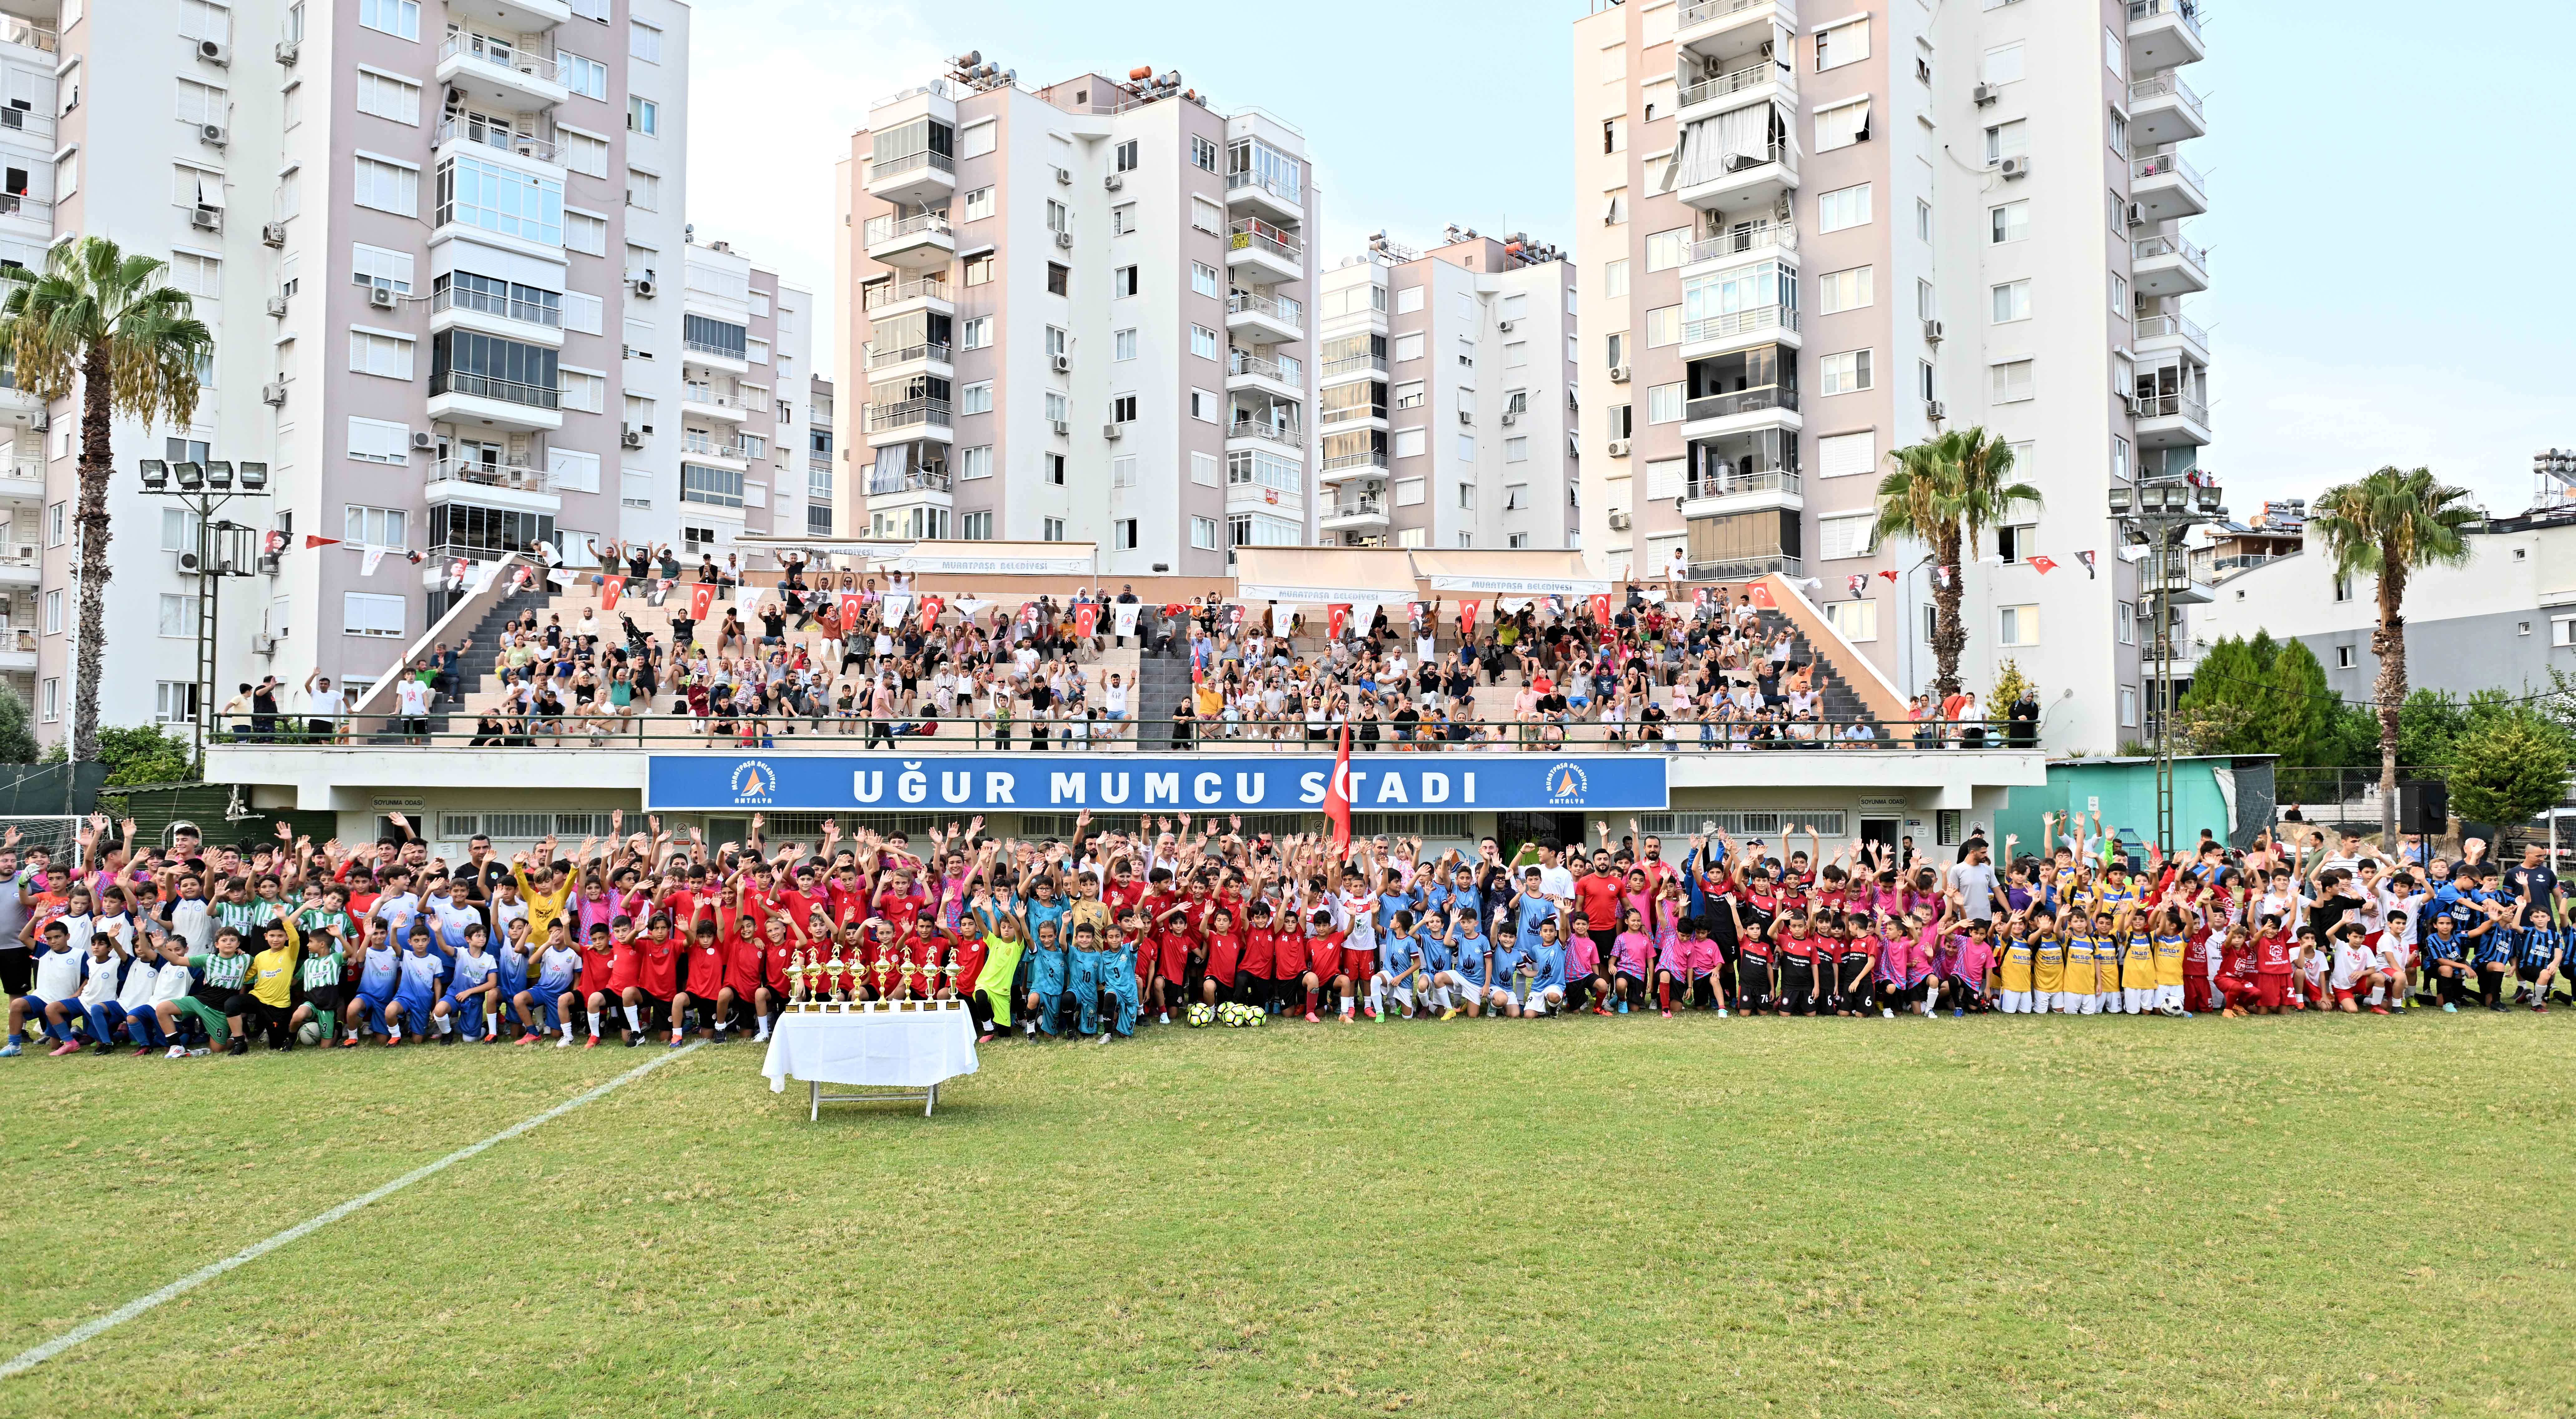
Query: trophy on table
point(835, 975)
point(796, 980)
point(915, 971)
point(951, 969)
point(885, 971)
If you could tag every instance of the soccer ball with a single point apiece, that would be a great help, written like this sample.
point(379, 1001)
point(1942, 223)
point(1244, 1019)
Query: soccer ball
point(1200, 1015)
point(309, 1033)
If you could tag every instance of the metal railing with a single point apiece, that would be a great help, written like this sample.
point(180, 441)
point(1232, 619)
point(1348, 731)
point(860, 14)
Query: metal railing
point(881, 169)
point(1751, 237)
point(2154, 327)
point(14, 30)
point(493, 303)
point(27, 121)
point(881, 229)
point(1284, 371)
point(1711, 167)
point(1739, 322)
point(19, 204)
point(1354, 364)
point(517, 61)
point(25, 469)
point(2165, 406)
point(919, 480)
point(907, 413)
point(2164, 165)
point(886, 293)
point(1284, 309)
point(1730, 483)
point(1343, 462)
point(1254, 234)
point(1742, 568)
point(1362, 507)
point(1733, 81)
point(700, 442)
point(1707, 10)
point(517, 477)
point(1286, 435)
point(1237, 181)
point(2187, 10)
point(1741, 401)
point(492, 135)
point(2168, 82)
point(926, 350)
point(2245, 563)
point(2148, 248)
point(484, 386)
point(709, 347)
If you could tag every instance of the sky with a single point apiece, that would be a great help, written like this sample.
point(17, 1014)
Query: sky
point(2326, 361)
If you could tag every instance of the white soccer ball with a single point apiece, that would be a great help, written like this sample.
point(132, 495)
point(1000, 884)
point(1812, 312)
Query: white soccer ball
point(1200, 1015)
point(309, 1033)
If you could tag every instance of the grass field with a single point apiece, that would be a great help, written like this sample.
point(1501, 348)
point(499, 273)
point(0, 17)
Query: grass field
point(2346, 1216)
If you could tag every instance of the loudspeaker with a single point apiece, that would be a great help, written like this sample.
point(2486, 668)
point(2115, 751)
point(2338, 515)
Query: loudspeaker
point(2424, 808)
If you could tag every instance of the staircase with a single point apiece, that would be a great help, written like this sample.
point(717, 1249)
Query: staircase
point(476, 686)
point(1840, 701)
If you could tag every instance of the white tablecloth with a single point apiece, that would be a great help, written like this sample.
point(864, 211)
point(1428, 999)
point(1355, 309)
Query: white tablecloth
point(910, 1049)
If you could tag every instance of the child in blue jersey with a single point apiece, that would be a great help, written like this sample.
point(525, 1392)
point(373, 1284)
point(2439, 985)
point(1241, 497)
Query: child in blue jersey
point(1457, 894)
point(1088, 966)
point(2491, 943)
point(1547, 972)
point(379, 976)
point(473, 992)
point(1049, 978)
point(1465, 970)
point(1507, 961)
point(450, 918)
point(1399, 966)
point(1395, 899)
point(2539, 954)
point(555, 993)
point(511, 962)
point(1121, 998)
point(2446, 962)
point(417, 976)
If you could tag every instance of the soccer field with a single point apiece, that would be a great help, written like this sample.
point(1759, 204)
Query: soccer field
point(2101, 1216)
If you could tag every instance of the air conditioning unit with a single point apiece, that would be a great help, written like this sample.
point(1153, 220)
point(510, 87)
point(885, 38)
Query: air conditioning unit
point(191, 564)
point(1113, 182)
point(277, 305)
point(1932, 331)
point(1510, 418)
point(40, 421)
point(643, 287)
point(273, 234)
point(1060, 363)
point(214, 51)
point(1505, 326)
point(1111, 431)
point(1466, 417)
point(422, 442)
point(2129, 402)
point(1064, 176)
point(2016, 168)
point(272, 394)
point(1621, 521)
point(207, 219)
point(1935, 410)
point(211, 134)
point(1063, 426)
point(1618, 374)
point(287, 49)
point(629, 436)
point(262, 645)
point(1984, 94)
point(1064, 239)
point(378, 298)
point(1618, 448)
point(2137, 214)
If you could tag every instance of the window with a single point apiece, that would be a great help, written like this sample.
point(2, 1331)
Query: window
point(484, 194)
point(976, 333)
point(178, 616)
point(643, 191)
point(643, 116)
point(197, 275)
point(644, 41)
point(715, 487)
point(2128, 706)
point(1843, 207)
point(1051, 468)
point(1059, 278)
point(1203, 278)
point(1122, 409)
point(582, 390)
point(2007, 140)
point(1927, 304)
point(1614, 209)
point(380, 352)
point(1409, 395)
point(2119, 458)
point(1412, 443)
point(583, 153)
point(1408, 300)
point(53, 613)
point(1203, 405)
point(174, 702)
point(1841, 44)
point(586, 77)
point(2342, 587)
point(1842, 125)
point(2343, 657)
point(378, 441)
point(979, 270)
point(1843, 290)
point(1203, 342)
point(975, 462)
point(1854, 621)
point(1122, 219)
point(1922, 220)
point(1849, 536)
point(1057, 409)
point(2002, 65)
point(1614, 280)
point(388, 187)
point(367, 613)
point(2009, 222)
point(2124, 622)
point(2115, 56)
point(2120, 295)
point(1051, 529)
point(1516, 450)
point(1664, 404)
point(2011, 382)
point(2119, 130)
point(2012, 302)
point(50, 695)
point(373, 526)
point(1663, 326)
point(1202, 533)
point(1614, 348)
point(976, 139)
point(1203, 153)
point(976, 398)
point(1407, 347)
point(399, 18)
point(1466, 448)
point(384, 96)
point(586, 233)
point(1845, 373)
point(2017, 625)
point(1923, 381)
point(180, 529)
point(1122, 345)
point(2015, 542)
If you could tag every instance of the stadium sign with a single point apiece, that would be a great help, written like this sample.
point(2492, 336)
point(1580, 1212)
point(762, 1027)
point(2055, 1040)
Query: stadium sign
point(1133, 782)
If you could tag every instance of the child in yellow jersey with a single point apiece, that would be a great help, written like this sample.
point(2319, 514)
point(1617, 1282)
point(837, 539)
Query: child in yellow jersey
point(2173, 943)
point(2076, 997)
point(2048, 967)
point(2106, 961)
point(2137, 964)
point(2013, 965)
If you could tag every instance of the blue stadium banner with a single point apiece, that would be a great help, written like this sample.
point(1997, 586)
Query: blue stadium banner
point(1114, 783)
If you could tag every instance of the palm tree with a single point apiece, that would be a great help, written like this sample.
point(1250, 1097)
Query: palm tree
point(100, 321)
point(1943, 493)
point(2390, 525)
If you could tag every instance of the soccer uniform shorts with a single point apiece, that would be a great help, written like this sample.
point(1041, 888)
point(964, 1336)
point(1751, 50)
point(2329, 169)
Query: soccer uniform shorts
point(2169, 997)
point(2018, 1002)
point(2140, 1001)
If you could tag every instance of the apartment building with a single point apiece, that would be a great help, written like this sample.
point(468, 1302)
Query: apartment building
point(1445, 405)
point(1816, 231)
point(745, 360)
point(438, 242)
point(1081, 312)
point(822, 469)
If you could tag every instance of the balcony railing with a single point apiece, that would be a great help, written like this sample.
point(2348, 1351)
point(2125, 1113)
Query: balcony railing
point(1728, 483)
point(907, 414)
point(2152, 327)
point(2166, 406)
point(19, 204)
point(1252, 232)
point(2164, 165)
point(27, 121)
point(476, 47)
point(882, 229)
point(1709, 167)
point(925, 160)
point(926, 350)
point(2246, 563)
point(516, 477)
point(1751, 237)
point(709, 347)
point(25, 469)
point(1285, 192)
point(493, 135)
point(1739, 322)
point(699, 441)
point(1349, 414)
point(1743, 568)
point(886, 293)
point(14, 30)
point(1371, 459)
point(493, 303)
point(2162, 84)
point(920, 480)
point(484, 386)
point(1284, 309)
point(1284, 371)
point(1285, 435)
point(1707, 10)
point(1354, 364)
point(2148, 9)
point(1357, 507)
point(2146, 248)
point(1741, 401)
point(1733, 81)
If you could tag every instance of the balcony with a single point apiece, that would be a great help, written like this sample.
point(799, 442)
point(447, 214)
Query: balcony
point(1717, 415)
point(914, 179)
point(499, 139)
point(502, 485)
point(1353, 515)
point(451, 307)
point(2224, 567)
point(1737, 182)
point(2164, 34)
point(734, 452)
point(891, 298)
point(1265, 319)
point(1291, 437)
point(1350, 466)
point(21, 564)
point(24, 123)
point(920, 242)
point(2167, 188)
point(1745, 241)
point(2164, 110)
point(701, 399)
point(512, 79)
point(27, 34)
point(22, 480)
point(1253, 244)
point(36, 210)
point(2180, 584)
point(1743, 568)
point(1709, 96)
point(2167, 266)
point(925, 357)
point(2167, 334)
point(1717, 494)
point(1739, 329)
point(1286, 201)
point(1351, 367)
point(908, 420)
point(17, 648)
point(1720, 29)
point(918, 484)
point(1281, 378)
point(460, 397)
point(2172, 420)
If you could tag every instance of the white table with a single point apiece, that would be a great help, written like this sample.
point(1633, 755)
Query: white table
point(896, 1053)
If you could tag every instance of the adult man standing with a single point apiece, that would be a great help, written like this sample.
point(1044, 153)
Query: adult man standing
point(1974, 880)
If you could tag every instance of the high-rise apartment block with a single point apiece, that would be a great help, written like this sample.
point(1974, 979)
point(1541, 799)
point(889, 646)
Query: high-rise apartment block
point(1445, 407)
point(440, 245)
point(1081, 313)
point(745, 403)
point(1814, 231)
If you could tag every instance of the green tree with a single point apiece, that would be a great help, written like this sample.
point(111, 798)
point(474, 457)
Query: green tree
point(99, 322)
point(17, 737)
point(1943, 493)
point(139, 754)
point(2224, 710)
point(2390, 525)
point(2301, 708)
point(2429, 725)
point(2508, 768)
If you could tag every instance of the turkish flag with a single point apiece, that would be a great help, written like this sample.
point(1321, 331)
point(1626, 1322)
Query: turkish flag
point(1467, 610)
point(853, 606)
point(2045, 564)
point(1337, 796)
point(311, 541)
point(1336, 616)
point(1086, 617)
point(1601, 608)
point(610, 589)
point(931, 606)
point(702, 599)
point(1888, 573)
point(1760, 591)
point(273, 543)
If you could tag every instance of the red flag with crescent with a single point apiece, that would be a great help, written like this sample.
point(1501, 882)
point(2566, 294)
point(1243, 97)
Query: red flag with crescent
point(702, 599)
point(610, 589)
point(1337, 795)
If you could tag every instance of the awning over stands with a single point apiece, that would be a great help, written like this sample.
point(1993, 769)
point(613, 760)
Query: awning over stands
point(1502, 572)
point(1309, 575)
point(1073, 559)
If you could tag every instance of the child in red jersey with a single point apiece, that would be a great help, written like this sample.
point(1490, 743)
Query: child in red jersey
point(597, 984)
point(1324, 961)
point(1291, 968)
point(702, 981)
point(626, 979)
point(657, 981)
point(2271, 968)
point(1164, 956)
point(1259, 960)
point(770, 952)
point(1221, 953)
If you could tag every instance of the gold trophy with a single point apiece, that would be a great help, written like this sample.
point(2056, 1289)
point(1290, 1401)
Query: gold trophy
point(796, 980)
point(912, 973)
point(836, 975)
point(952, 969)
point(885, 971)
